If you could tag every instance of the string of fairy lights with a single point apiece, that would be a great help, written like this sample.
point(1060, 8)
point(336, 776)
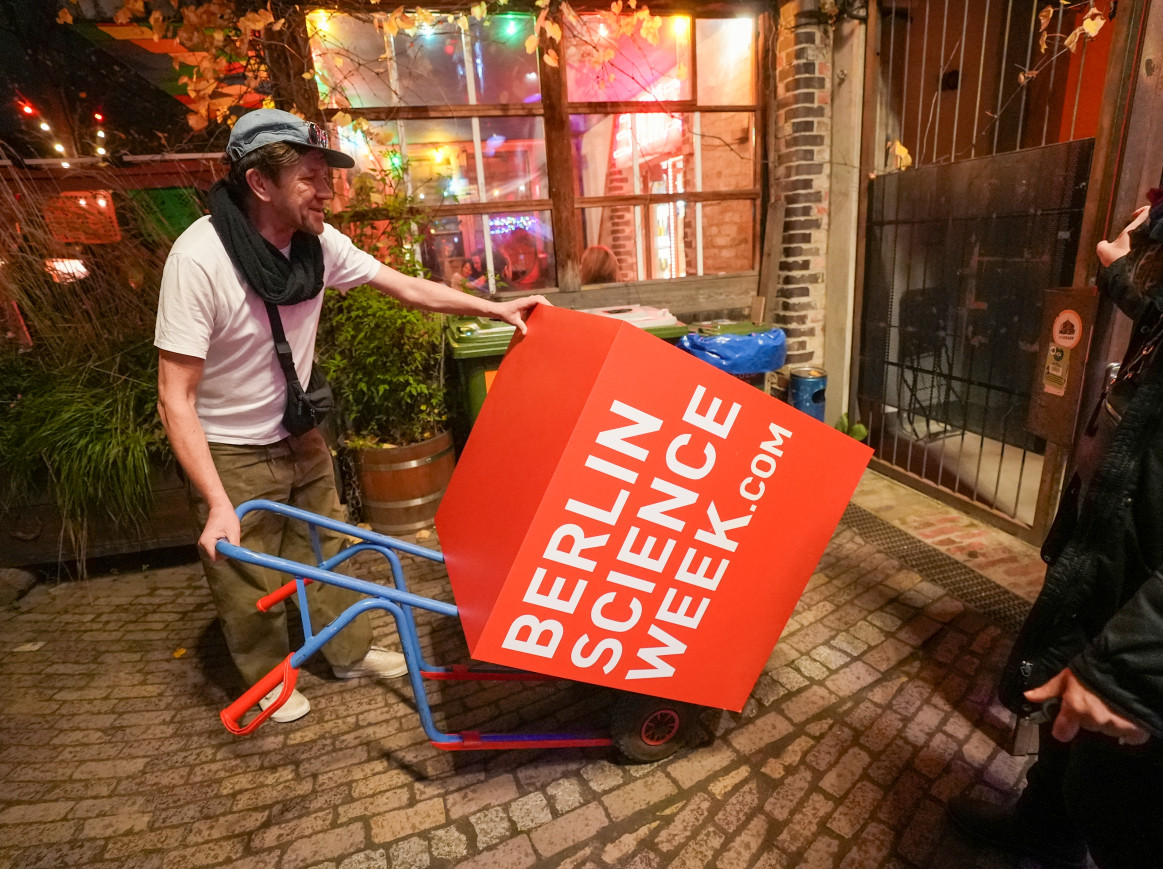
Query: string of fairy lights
point(34, 116)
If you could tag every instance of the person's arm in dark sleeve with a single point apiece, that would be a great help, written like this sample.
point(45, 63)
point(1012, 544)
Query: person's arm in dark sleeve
point(1124, 663)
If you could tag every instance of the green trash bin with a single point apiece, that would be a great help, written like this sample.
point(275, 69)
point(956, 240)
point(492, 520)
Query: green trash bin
point(478, 345)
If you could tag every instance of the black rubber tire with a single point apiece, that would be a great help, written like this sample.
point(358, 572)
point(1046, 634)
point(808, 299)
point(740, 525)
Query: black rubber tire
point(646, 729)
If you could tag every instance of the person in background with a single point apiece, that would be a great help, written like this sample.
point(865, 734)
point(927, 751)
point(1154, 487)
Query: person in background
point(599, 265)
point(1090, 654)
point(222, 392)
point(503, 276)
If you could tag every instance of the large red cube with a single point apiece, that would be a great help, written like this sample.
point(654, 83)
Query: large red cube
point(627, 515)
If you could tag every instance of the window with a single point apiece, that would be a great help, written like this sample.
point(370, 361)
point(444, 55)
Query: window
point(661, 118)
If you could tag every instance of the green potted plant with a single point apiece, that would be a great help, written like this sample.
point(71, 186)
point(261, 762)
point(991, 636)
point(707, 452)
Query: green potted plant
point(385, 363)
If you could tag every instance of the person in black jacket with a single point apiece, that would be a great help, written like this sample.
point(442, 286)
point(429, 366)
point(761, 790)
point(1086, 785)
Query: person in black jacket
point(1090, 654)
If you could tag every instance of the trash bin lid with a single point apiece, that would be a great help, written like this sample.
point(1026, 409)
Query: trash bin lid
point(474, 337)
point(642, 316)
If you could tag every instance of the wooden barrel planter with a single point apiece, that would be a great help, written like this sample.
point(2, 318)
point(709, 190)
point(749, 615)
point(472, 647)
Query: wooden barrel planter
point(402, 487)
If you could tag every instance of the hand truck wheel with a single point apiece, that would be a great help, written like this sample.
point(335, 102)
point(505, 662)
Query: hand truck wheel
point(646, 729)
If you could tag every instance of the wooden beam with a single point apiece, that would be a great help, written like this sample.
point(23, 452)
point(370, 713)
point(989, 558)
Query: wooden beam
point(137, 176)
point(559, 160)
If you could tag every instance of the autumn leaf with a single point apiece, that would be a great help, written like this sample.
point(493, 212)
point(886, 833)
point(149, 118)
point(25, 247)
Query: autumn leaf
point(462, 22)
point(255, 20)
point(551, 57)
point(197, 122)
point(1045, 15)
point(541, 4)
point(1093, 23)
point(650, 30)
point(278, 25)
point(308, 75)
point(341, 119)
point(424, 17)
point(904, 158)
point(479, 11)
point(130, 10)
point(1027, 75)
point(1042, 42)
point(1072, 40)
point(553, 30)
point(64, 17)
point(616, 7)
point(531, 44)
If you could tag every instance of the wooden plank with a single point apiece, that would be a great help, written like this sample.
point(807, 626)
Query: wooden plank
point(769, 261)
point(686, 298)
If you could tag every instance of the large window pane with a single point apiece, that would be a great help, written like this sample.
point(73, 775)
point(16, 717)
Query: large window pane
point(618, 155)
point(726, 55)
point(513, 151)
point(361, 65)
point(504, 71)
point(525, 241)
point(728, 236)
point(613, 227)
point(604, 64)
point(442, 162)
point(352, 60)
point(518, 244)
point(727, 142)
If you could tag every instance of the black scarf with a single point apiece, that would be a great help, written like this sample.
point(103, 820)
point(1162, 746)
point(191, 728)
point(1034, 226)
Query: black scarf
point(275, 278)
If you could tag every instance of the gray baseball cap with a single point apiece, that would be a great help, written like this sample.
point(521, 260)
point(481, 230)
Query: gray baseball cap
point(265, 126)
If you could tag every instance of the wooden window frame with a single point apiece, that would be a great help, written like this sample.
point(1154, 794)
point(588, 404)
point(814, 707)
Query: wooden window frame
point(555, 110)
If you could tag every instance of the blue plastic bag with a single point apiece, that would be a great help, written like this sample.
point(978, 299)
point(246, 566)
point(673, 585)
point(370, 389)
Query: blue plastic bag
point(739, 354)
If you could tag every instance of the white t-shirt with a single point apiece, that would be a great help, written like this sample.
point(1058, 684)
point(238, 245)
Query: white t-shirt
point(207, 309)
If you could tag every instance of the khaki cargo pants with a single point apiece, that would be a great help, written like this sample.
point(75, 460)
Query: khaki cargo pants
point(295, 471)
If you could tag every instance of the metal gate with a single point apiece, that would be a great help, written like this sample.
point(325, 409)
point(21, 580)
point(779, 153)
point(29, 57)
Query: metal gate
point(975, 210)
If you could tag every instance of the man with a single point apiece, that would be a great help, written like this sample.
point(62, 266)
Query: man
point(222, 393)
point(1093, 642)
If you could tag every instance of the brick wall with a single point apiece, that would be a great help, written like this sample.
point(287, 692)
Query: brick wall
point(803, 144)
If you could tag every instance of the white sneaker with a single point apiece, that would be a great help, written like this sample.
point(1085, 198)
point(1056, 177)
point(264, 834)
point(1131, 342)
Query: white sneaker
point(295, 708)
point(378, 662)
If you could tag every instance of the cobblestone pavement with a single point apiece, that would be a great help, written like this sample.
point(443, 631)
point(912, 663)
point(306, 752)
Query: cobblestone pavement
point(875, 708)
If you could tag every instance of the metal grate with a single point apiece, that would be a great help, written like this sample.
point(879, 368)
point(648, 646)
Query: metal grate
point(959, 256)
point(967, 585)
point(968, 80)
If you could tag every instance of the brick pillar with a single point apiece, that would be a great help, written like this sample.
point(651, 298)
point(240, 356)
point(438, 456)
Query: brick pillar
point(801, 177)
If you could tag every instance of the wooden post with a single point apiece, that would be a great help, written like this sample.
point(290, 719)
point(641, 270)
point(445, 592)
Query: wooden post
point(1123, 158)
point(871, 149)
point(559, 158)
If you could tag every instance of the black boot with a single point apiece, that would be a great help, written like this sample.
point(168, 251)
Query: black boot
point(1016, 829)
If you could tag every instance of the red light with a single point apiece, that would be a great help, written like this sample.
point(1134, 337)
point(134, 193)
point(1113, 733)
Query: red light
point(28, 110)
point(97, 116)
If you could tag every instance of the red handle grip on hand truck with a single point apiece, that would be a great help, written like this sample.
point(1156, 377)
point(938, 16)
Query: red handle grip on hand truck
point(232, 714)
point(280, 594)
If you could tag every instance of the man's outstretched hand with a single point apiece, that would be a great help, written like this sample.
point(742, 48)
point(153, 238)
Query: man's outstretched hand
point(515, 311)
point(1083, 709)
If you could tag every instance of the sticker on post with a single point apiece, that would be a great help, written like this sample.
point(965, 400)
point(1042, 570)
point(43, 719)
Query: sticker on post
point(1067, 329)
point(1057, 368)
